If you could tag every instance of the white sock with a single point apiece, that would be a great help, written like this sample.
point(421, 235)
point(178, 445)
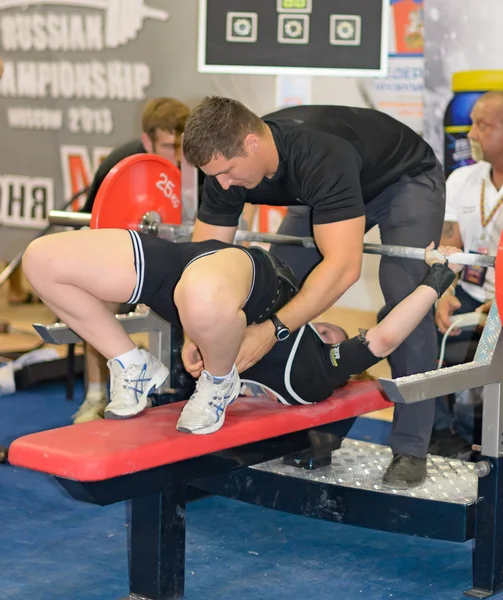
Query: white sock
point(96, 388)
point(223, 378)
point(132, 357)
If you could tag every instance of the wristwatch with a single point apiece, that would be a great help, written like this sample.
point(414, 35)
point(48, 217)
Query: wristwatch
point(282, 332)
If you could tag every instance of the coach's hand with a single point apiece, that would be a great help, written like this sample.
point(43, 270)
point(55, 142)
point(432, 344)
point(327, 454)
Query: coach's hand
point(192, 359)
point(257, 342)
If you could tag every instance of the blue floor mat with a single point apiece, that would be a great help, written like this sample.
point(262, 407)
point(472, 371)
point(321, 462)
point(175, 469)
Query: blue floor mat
point(55, 548)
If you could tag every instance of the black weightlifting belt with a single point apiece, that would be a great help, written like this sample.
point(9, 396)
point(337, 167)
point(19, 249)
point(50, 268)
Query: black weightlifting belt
point(288, 285)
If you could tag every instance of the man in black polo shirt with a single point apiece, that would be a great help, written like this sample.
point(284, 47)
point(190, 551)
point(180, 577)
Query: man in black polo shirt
point(352, 169)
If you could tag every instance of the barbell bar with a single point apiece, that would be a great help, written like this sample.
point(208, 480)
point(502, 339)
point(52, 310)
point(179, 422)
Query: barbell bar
point(176, 233)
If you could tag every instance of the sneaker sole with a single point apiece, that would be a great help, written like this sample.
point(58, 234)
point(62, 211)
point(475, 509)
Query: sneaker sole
point(211, 428)
point(158, 379)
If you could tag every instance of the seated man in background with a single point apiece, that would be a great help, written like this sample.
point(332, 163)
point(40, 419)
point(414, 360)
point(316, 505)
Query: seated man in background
point(163, 121)
point(474, 222)
point(215, 290)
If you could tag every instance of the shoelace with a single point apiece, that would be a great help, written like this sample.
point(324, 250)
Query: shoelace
point(199, 399)
point(204, 388)
point(126, 379)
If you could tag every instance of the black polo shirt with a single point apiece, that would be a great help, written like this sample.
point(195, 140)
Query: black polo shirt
point(335, 159)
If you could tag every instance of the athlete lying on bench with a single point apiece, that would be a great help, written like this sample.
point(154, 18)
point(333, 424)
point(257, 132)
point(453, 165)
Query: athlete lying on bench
point(214, 290)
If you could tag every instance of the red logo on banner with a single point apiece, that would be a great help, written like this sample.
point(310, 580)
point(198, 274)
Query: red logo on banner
point(78, 168)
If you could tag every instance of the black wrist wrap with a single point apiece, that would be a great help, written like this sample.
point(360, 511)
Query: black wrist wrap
point(439, 277)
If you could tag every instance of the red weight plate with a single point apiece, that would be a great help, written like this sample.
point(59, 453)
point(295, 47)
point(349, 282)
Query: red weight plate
point(137, 185)
point(498, 276)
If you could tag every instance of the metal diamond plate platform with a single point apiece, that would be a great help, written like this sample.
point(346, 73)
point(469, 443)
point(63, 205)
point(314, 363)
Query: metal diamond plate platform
point(361, 465)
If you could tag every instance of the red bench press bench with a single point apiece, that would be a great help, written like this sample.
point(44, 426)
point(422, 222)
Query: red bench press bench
point(147, 461)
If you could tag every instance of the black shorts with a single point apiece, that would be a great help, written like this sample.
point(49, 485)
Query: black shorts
point(160, 264)
point(304, 369)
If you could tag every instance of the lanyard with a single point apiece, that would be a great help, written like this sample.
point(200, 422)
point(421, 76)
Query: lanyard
point(485, 221)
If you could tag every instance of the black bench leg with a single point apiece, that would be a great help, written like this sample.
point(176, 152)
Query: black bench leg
point(157, 546)
point(487, 555)
point(70, 372)
point(323, 443)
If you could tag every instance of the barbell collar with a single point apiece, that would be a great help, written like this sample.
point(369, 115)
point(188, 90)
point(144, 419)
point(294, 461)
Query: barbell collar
point(69, 219)
point(175, 233)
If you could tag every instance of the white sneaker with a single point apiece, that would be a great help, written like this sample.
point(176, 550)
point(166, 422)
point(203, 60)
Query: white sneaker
point(205, 410)
point(92, 408)
point(130, 387)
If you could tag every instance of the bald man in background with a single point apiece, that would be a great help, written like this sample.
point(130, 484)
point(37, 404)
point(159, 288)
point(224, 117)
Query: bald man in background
point(474, 222)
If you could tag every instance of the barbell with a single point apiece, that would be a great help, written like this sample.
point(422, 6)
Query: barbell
point(124, 18)
point(150, 223)
point(143, 192)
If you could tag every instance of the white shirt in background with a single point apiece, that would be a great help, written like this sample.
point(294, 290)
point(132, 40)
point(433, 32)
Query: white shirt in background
point(463, 206)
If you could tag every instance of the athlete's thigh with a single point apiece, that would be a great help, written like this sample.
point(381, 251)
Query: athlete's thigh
point(98, 260)
point(229, 270)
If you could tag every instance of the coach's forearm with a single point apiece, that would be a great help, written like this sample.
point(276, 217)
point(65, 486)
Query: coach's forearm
point(324, 286)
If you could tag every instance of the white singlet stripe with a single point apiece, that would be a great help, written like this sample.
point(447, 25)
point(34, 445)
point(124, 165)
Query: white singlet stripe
point(289, 364)
point(288, 370)
point(139, 261)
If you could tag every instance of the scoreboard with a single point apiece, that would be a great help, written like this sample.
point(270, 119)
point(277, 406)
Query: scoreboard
point(304, 37)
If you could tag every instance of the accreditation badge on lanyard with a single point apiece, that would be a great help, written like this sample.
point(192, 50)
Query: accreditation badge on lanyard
point(476, 274)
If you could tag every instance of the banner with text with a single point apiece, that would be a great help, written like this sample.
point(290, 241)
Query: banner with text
point(76, 75)
point(400, 94)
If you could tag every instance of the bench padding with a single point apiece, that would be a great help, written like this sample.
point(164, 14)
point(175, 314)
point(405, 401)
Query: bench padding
point(102, 450)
